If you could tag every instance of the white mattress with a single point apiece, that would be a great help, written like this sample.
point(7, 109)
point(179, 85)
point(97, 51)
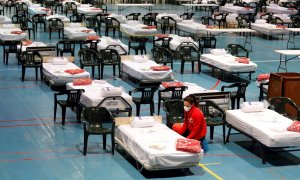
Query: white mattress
point(178, 40)
point(138, 140)
point(135, 28)
point(280, 10)
point(5, 35)
point(57, 76)
point(93, 95)
point(74, 33)
point(106, 41)
point(119, 17)
point(191, 27)
point(5, 20)
point(37, 10)
point(174, 16)
point(88, 10)
point(236, 9)
point(268, 29)
point(227, 62)
point(268, 127)
point(141, 71)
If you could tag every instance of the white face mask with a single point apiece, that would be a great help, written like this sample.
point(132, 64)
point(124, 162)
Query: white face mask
point(186, 108)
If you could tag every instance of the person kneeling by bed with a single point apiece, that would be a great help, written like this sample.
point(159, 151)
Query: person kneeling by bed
point(194, 125)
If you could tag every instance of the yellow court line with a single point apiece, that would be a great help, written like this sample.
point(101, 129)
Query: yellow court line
point(210, 172)
point(208, 164)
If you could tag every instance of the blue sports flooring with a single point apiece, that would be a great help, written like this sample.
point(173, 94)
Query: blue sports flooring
point(34, 147)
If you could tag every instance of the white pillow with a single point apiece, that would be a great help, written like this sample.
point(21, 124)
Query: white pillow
point(260, 21)
point(252, 107)
point(75, 24)
point(141, 122)
point(111, 91)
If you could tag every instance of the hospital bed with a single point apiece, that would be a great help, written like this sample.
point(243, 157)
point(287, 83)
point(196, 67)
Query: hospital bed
point(95, 96)
point(274, 8)
point(110, 43)
point(55, 73)
point(154, 148)
point(136, 28)
point(140, 72)
point(236, 9)
point(268, 29)
point(226, 63)
point(76, 32)
point(268, 128)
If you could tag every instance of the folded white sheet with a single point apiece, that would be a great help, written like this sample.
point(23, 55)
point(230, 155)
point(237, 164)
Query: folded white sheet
point(60, 61)
point(260, 21)
point(218, 52)
point(253, 107)
point(141, 122)
point(111, 91)
point(140, 59)
point(75, 25)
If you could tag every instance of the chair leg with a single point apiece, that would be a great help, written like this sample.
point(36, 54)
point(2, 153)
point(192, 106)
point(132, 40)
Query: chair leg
point(93, 71)
point(99, 76)
point(224, 134)
point(63, 113)
point(36, 73)
point(41, 73)
point(112, 144)
point(55, 109)
point(193, 66)
point(158, 108)
point(114, 70)
point(86, 137)
point(102, 69)
point(238, 103)
point(6, 58)
point(23, 73)
point(212, 128)
point(232, 103)
point(104, 141)
point(182, 66)
point(138, 106)
point(152, 108)
point(119, 67)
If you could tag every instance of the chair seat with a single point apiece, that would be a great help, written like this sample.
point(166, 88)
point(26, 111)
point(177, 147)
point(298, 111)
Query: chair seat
point(214, 121)
point(189, 59)
point(98, 130)
point(90, 64)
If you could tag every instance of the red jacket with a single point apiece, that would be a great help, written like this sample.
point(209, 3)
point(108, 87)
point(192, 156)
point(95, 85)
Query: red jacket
point(194, 123)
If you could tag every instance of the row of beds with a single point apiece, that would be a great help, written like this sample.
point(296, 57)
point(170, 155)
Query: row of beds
point(136, 140)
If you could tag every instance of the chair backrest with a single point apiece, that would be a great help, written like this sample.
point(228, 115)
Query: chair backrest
point(147, 93)
point(92, 44)
point(31, 58)
point(207, 20)
point(295, 21)
point(277, 21)
point(187, 16)
point(12, 45)
point(174, 111)
point(188, 52)
point(78, 17)
point(285, 106)
point(150, 18)
point(161, 55)
point(66, 45)
point(70, 6)
point(222, 99)
point(101, 17)
point(110, 56)
point(96, 116)
point(207, 42)
point(163, 42)
point(116, 104)
point(55, 23)
point(39, 18)
point(87, 56)
point(133, 16)
point(237, 50)
point(91, 22)
point(119, 48)
point(111, 22)
point(211, 109)
point(176, 92)
point(167, 20)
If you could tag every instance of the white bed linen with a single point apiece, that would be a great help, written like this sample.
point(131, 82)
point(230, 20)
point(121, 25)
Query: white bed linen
point(274, 8)
point(138, 140)
point(89, 10)
point(268, 127)
point(93, 95)
point(141, 71)
point(5, 20)
point(177, 40)
point(37, 10)
point(136, 28)
point(227, 62)
point(56, 74)
point(236, 9)
point(106, 41)
point(119, 17)
point(75, 33)
point(5, 34)
point(191, 27)
point(268, 29)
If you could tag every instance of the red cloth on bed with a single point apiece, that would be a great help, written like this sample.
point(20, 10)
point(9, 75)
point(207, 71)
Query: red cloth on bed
point(17, 32)
point(262, 77)
point(149, 27)
point(280, 26)
point(210, 27)
point(74, 71)
point(162, 35)
point(93, 38)
point(86, 30)
point(188, 145)
point(295, 127)
point(95, 9)
point(160, 68)
point(176, 127)
point(243, 60)
point(26, 42)
point(172, 84)
point(82, 81)
point(46, 9)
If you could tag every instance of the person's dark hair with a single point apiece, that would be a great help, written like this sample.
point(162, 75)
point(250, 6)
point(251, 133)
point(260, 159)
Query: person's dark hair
point(192, 100)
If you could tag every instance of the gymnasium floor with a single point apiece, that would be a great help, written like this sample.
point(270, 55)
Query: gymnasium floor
point(34, 147)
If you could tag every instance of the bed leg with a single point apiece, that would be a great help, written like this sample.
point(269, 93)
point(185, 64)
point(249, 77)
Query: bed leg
point(262, 153)
point(227, 138)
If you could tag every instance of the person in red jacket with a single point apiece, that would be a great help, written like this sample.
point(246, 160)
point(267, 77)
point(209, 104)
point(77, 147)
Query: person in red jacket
point(194, 125)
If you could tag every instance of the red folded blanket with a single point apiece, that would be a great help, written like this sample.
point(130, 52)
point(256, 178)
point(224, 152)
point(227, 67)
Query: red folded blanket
point(82, 81)
point(160, 68)
point(93, 38)
point(262, 77)
point(248, 8)
point(172, 84)
point(188, 145)
point(86, 30)
point(280, 26)
point(149, 27)
point(74, 71)
point(210, 27)
point(295, 127)
point(292, 9)
point(243, 60)
point(26, 42)
point(46, 9)
point(17, 32)
point(162, 35)
point(95, 9)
